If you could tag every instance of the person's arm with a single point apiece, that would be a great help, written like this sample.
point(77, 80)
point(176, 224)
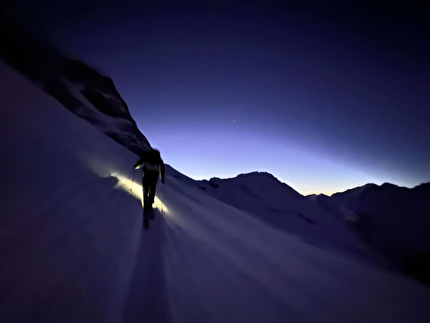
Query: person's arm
point(162, 171)
point(139, 163)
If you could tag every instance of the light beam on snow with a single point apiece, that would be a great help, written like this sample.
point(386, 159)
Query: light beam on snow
point(135, 190)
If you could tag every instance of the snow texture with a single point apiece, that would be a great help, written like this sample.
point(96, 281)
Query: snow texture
point(73, 249)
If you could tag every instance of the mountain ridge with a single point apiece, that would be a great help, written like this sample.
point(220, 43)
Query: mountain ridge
point(424, 185)
point(80, 88)
point(390, 219)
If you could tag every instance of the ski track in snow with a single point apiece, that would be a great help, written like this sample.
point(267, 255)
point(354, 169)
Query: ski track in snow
point(73, 248)
point(147, 297)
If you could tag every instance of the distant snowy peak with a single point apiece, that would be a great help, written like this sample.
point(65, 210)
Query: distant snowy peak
point(395, 220)
point(77, 86)
point(356, 190)
point(267, 199)
point(423, 188)
point(385, 189)
point(401, 203)
point(257, 180)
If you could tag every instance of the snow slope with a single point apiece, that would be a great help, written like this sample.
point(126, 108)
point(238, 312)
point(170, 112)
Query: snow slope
point(73, 249)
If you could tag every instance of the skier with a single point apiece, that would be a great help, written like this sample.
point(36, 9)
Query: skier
point(152, 167)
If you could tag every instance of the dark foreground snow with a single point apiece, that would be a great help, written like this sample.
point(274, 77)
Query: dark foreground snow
point(73, 249)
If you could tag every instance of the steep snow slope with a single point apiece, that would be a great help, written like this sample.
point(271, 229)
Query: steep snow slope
point(73, 249)
point(68, 238)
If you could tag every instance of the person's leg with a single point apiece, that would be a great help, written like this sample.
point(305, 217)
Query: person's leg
point(146, 190)
point(152, 191)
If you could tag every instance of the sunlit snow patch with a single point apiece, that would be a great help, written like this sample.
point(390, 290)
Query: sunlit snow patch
point(135, 190)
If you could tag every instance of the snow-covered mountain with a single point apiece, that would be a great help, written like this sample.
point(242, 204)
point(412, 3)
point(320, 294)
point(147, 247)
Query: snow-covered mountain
point(277, 204)
point(392, 219)
point(77, 86)
point(73, 249)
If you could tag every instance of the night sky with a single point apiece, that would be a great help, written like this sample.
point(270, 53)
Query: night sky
point(323, 96)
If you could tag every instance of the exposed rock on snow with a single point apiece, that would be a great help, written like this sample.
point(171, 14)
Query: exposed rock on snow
point(77, 86)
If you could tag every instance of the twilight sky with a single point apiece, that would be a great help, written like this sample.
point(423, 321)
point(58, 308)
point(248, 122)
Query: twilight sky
point(324, 96)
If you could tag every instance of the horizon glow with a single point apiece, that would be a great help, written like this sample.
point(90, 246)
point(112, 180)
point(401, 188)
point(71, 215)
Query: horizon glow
point(228, 156)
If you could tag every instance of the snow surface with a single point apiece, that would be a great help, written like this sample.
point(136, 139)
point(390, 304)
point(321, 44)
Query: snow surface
point(73, 249)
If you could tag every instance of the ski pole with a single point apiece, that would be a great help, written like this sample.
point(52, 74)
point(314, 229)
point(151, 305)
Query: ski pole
point(162, 203)
point(132, 174)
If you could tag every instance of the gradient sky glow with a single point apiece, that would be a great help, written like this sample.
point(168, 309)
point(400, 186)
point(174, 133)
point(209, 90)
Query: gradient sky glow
point(324, 96)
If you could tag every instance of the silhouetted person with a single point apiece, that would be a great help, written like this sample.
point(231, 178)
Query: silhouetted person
point(152, 167)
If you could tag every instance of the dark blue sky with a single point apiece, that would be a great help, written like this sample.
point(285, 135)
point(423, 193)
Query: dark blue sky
point(324, 96)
